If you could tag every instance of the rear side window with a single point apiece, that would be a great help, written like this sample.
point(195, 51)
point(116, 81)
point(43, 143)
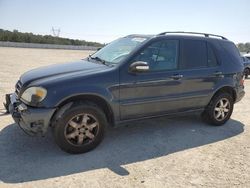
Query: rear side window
point(211, 57)
point(193, 54)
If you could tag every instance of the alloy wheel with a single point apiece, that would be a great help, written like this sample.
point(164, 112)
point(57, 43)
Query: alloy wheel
point(81, 129)
point(222, 109)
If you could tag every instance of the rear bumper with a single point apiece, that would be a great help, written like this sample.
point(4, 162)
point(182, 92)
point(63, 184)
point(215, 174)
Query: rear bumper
point(32, 120)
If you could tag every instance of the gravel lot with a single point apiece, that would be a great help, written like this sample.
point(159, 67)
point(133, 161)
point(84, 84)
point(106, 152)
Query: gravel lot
point(164, 152)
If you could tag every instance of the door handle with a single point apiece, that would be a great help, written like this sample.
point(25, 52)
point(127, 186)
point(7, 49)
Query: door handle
point(218, 74)
point(176, 77)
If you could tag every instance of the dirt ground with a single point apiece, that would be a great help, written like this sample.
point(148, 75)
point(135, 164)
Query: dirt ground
point(164, 152)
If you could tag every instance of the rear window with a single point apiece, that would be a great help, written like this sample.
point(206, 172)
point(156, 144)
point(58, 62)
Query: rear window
point(193, 54)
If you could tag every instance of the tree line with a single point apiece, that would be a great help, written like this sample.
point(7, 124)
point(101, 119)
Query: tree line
point(16, 36)
point(244, 47)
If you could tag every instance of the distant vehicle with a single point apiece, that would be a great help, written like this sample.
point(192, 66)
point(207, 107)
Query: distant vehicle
point(246, 63)
point(247, 56)
point(134, 77)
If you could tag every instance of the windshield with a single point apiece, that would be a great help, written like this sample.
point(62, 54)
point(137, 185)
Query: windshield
point(119, 49)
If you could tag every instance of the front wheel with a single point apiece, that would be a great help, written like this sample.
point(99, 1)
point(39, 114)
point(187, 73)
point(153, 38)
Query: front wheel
point(80, 129)
point(219, 109)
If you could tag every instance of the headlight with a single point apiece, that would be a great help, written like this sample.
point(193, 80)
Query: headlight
point(34, 95)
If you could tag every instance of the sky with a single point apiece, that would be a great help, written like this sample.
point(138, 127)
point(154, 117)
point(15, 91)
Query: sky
point(104, 21)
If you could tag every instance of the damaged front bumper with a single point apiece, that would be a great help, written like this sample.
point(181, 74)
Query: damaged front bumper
point(32, 120)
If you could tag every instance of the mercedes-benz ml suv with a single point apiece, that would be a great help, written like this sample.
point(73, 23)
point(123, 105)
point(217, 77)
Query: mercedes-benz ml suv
point(132, 78)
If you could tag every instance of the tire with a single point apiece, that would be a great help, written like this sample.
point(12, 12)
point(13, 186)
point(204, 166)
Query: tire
point(213, 114)
point(80, 129)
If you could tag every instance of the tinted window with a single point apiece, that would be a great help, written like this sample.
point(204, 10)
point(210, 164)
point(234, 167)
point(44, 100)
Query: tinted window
point(232, 51)
point(193, 54)
point(211, 58)
point(162, 55)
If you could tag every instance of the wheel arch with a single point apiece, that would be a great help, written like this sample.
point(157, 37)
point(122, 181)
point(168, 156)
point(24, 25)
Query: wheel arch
point(97, 100)
point(227, 89)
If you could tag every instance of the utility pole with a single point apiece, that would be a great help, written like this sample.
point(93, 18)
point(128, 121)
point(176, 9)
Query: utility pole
point(55, 32)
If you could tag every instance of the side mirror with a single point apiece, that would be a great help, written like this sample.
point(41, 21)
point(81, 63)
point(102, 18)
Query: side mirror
point(139, 66)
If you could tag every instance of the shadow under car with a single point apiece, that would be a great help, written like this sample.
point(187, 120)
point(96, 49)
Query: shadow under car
point(25, 158)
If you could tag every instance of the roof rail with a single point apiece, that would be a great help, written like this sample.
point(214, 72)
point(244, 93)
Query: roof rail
point(194, 33)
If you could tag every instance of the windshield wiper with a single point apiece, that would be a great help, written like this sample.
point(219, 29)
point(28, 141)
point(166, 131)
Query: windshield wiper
point(98, 59)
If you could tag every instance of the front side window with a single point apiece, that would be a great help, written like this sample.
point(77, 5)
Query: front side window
point(162, 55)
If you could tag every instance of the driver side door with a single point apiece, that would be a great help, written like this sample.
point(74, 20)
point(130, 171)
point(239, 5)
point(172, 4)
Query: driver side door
point(153, 92)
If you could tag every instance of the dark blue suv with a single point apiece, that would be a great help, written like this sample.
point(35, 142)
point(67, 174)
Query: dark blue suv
point(135, 77)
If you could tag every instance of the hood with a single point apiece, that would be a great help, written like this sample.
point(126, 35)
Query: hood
point(61, 70)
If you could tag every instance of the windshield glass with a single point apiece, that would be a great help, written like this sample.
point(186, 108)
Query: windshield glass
point(119, 49)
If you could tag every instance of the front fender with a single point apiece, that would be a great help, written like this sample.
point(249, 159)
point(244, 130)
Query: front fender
point(57, 96)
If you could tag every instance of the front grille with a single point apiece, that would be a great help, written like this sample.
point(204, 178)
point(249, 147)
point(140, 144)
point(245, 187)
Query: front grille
point(18, 87)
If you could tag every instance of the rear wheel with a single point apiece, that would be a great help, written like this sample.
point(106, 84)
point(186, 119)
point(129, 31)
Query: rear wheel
point(80, 128)
point(219, 109)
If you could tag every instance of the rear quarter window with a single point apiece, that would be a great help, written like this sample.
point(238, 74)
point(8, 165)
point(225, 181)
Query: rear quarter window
point(232, 51)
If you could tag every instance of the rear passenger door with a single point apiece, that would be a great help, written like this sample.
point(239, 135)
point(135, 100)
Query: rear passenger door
point(201, 72)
